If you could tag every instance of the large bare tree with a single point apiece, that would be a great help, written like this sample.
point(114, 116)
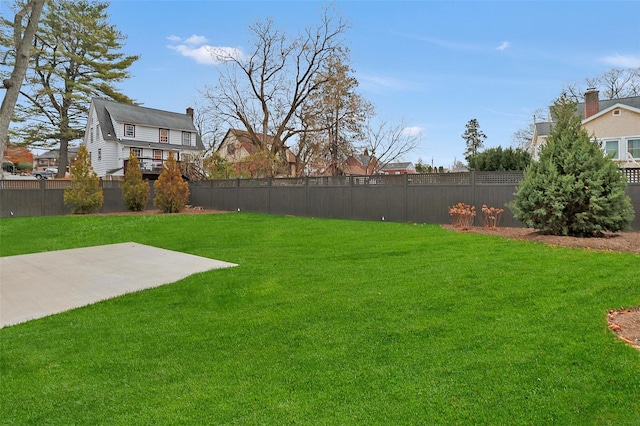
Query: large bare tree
point(387, 142)
point(22, 39)
point(264, 91)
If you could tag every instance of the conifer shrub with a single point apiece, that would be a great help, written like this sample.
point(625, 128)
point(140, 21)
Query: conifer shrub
point(574, 189)
point(135, 191)
point(84, 195)
point(172, 192)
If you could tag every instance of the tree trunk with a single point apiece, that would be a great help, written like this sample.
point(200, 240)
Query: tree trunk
point(22, 43)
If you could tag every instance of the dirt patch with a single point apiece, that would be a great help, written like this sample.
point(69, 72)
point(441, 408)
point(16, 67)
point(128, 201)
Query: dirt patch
point(625, 323)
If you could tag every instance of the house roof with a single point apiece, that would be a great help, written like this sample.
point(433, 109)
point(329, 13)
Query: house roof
point(109, 112)
point(244, 139)
point(633, 102)
point(543, 129)
point(55, 153)
point(398, 166)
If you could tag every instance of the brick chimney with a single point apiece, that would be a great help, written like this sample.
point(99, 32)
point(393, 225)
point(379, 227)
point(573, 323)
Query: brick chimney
point(591, 102)
point(190, 112)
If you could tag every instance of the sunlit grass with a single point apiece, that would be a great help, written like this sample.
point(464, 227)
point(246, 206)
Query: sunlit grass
point(328, 322)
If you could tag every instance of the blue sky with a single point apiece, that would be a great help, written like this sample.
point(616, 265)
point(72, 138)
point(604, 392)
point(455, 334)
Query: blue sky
point(433, 64)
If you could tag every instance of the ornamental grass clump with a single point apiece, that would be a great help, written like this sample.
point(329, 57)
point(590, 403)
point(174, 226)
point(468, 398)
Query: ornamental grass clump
point(462, 215)
point(135, 191)
point(85, 194)
point(172, 192)
point(491, 216)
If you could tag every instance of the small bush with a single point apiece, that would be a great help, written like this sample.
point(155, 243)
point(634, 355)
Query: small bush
point(491, 216)
point(85, 194)
point(462, 215)
point(172, 192)
point(135, 191)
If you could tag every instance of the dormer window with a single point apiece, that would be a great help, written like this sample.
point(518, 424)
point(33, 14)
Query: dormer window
point(164, 135)
point(129, 131)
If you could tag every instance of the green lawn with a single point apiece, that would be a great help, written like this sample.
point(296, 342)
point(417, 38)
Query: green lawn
point(328, 322)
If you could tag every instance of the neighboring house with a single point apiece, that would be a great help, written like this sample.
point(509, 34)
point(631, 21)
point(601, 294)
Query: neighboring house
point(50, 158)
point(397, 169)
point(364, 164)
point(237, 145)
point(614, 122)
point(114, 130)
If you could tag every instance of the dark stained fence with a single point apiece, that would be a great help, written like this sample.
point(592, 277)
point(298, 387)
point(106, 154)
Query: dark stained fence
point(423, 198)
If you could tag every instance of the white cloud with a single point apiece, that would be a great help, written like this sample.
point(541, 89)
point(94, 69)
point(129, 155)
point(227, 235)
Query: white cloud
point(503, 46)
point(623, 61)
point(195, 47)
point(412, 131)
point(196, 40)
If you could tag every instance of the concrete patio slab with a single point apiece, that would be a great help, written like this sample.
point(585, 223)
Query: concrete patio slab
point(36, 285)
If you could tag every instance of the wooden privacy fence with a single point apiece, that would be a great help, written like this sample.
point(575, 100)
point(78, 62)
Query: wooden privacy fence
point(421, 198)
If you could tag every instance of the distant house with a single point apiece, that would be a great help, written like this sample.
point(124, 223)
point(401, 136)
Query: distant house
point(363, 164)
point(114, 130)
point(398, 169)
point(614, 122)
point(50, 158)
point(237, 145)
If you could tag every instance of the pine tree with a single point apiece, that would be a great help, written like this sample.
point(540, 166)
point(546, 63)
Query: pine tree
point(474, 138)
point(74, 57)
point(85, 194)
point(574, 189)
point(135, 191)
point(172, 192)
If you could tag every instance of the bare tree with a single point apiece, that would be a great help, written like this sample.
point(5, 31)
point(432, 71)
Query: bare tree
point(523, 138)
point(265, 90)
point(334, 116)
point(22, 40)
point(387, 142)
point(613, 84)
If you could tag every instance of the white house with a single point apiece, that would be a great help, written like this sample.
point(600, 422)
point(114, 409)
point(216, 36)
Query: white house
point(114, 130)
point(614, 122)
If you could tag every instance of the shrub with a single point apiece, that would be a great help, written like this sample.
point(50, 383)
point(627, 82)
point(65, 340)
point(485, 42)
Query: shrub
point(172, 192)
point(462, 215)
point(491, 216)
point(574, 189)
point(85, 194)
point(135, 191)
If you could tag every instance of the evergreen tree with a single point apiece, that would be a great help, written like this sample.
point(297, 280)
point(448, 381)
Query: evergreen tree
point(494, 159)
point(75, 57)
point(172, 192)
point(135, 191)
point(473, 137)
point(85, 194)
point(574, 189)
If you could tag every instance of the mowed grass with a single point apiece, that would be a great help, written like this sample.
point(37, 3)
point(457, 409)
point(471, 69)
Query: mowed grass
point(328, 322)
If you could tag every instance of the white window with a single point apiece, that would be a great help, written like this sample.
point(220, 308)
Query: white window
point(164, 135)
point(633, 147)
point(129, 131)
point(97, 132)
point(611, 148)
point(91, 135)
point(137, 152)
point(99, 154)
point(186, 138)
